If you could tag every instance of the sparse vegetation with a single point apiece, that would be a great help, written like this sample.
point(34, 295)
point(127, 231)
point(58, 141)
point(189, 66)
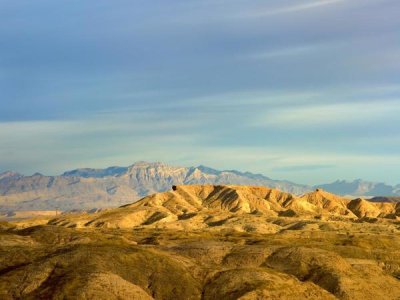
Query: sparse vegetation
point(169, 250)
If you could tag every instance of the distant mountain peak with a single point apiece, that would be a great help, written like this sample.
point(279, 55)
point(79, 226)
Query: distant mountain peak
point(208, 170)
point(9, 174)
point(359, 187)
point(149, 164)
point(96, 173)
point(37, 174)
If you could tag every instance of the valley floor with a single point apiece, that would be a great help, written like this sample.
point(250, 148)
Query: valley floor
point(304, 259)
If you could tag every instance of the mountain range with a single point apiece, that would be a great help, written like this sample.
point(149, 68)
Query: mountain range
point(86, 188)
point(360, 187)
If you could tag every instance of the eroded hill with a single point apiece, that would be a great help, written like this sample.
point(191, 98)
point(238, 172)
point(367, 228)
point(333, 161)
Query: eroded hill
point(208, 242)
point(197, 206)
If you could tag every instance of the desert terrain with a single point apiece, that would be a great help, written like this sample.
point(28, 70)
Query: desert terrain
point(208, 242)
point(92, 189)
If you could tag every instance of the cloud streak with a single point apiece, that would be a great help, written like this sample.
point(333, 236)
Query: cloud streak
point(336, 114)
point(294, 8)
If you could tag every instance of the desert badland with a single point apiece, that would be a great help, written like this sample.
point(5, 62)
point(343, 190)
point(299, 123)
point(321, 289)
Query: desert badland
point(199, 150)
point(208, 242)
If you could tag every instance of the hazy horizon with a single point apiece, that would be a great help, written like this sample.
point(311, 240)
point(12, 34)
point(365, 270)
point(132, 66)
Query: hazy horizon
point(189, 166)
point(307, 91)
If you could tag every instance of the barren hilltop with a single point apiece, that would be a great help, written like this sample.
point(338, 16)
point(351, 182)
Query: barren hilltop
point(208, 242)
point(196, 206)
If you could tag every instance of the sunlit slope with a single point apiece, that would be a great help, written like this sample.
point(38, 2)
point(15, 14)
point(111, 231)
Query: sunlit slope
point(201, 206)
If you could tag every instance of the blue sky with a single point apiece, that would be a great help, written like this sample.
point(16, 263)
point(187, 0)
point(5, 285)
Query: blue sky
point(302, 90)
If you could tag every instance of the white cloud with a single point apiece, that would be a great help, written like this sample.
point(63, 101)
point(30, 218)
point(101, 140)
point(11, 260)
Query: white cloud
point(309, 5)
point(329, 114)
point(284, 52)
point(293, 8)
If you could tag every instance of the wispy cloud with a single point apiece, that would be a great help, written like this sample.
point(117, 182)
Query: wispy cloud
point(309, 5)
point(283, 52)
point(303, 168)
point(327, 115)
point(293, 8)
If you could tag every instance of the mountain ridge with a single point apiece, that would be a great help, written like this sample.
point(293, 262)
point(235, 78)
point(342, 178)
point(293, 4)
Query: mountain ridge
point(95, 188)
point(359, 187)
point(88, 188)
point(229, 206)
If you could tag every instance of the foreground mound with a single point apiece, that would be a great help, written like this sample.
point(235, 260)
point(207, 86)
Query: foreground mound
point(304, 260)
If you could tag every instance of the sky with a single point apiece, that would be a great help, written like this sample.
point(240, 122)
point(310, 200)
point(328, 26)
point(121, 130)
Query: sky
point(303, 90)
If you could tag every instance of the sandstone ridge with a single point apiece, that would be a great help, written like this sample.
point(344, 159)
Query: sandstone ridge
point(229, 206)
